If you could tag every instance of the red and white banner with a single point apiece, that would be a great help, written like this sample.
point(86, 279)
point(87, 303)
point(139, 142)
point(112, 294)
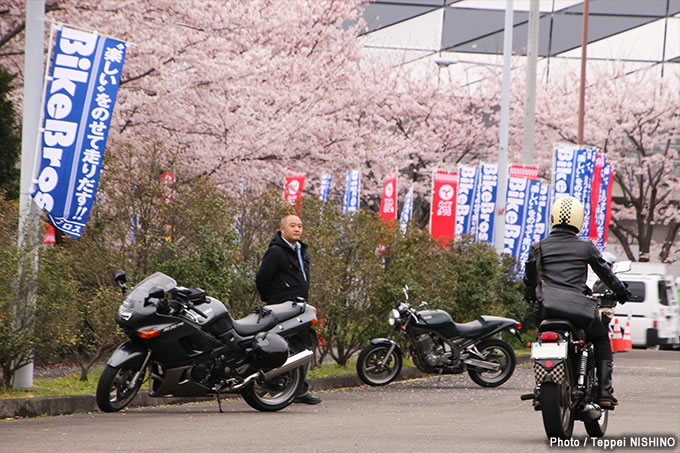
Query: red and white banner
point(293, 188)
point(168, 181)
point(520, 171)
point(388, 203)
point(49, 234)
point(595, 196)
point(443, 211)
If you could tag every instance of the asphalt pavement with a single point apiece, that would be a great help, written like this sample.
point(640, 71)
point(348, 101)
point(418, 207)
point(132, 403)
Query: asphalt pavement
point(433, 415)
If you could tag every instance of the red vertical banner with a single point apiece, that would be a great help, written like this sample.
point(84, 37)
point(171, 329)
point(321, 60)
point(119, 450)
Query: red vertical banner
point(443, 211)
point(609, 204)
point(595, 196)
point(168, 181)
point(293, 189)
point(49, 235)
point(388, 203)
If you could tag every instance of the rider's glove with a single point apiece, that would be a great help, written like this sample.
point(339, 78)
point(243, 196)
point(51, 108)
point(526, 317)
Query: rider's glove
point(625, 295)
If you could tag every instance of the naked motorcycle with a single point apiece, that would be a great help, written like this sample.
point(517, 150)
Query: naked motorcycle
point(565, 373)
point(189, 345)
point(438, 345)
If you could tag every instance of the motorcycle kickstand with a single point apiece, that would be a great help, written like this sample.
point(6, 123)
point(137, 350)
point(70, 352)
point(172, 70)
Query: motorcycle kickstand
point(440, 376)
point(219, 403)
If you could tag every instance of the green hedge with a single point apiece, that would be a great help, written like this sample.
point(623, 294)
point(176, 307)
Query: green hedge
point(205, 238)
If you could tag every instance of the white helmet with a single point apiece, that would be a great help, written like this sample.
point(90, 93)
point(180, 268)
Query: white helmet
point(567, 211)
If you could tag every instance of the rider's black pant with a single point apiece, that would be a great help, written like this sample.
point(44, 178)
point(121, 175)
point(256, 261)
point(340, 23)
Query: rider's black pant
point(598, 333)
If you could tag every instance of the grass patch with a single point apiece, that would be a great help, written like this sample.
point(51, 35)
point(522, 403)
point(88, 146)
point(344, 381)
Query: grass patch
point(67, 385)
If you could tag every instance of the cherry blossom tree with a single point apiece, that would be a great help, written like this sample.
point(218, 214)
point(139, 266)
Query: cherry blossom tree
point(635, 121)
point(247, 89)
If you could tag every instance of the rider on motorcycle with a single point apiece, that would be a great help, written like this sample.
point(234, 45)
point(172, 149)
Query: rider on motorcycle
point(565, 260)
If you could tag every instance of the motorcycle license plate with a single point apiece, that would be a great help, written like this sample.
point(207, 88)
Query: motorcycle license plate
point(549, 350)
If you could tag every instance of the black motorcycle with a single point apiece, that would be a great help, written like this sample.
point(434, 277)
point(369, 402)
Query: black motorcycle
point(438, 345)
point(191, 346)
point(566, 376)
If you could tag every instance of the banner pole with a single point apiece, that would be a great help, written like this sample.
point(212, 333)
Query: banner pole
point(39, 132)
point(28, 211)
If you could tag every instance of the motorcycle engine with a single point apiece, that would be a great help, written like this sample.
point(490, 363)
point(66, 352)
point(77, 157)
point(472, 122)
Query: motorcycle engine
point(211, 372)
point(433, 355)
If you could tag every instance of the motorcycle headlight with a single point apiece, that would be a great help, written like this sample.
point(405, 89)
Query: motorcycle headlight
point(125, 311)
point(394, 315)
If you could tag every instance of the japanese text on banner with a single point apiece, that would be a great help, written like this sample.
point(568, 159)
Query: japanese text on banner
point(77, 108)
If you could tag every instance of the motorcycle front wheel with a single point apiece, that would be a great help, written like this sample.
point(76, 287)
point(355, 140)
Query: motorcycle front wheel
point(558, 416)
point(276, 393)
point(374, 368)
point(115, 390)
point(498, 352)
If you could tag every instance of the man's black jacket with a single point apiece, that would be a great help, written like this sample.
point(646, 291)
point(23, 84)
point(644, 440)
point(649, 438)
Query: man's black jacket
point(280, 277)
point(565, 263)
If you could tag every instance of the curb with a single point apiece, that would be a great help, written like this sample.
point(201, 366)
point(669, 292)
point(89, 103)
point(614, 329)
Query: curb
point(63, 405)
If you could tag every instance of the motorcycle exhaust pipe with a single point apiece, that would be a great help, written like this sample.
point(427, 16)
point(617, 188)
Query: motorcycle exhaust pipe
point(482, 364)
point(592, 411)
point(293, 361)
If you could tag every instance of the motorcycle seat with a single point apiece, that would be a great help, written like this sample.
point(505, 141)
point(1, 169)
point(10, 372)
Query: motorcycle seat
point(469, 329)
point(266, 317)
point(562, 325)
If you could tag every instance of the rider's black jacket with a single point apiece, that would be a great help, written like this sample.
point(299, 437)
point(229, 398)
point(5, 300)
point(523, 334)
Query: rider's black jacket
point(280, 277)
point(565, 263)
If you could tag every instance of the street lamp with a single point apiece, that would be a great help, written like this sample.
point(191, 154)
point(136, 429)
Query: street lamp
point(499, 226)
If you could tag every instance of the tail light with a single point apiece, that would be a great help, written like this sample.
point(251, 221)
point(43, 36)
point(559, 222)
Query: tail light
point(549, 336)
point(147, 334)
point(655, 324)
point(518, 325)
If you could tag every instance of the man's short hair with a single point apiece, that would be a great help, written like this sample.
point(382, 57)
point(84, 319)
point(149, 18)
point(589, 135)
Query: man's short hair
point(283, 219)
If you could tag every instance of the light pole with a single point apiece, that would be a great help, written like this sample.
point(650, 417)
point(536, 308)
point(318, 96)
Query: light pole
point(499, 226)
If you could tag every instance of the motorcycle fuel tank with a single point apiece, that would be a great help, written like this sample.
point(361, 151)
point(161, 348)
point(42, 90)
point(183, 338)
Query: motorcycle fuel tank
point(437, 320)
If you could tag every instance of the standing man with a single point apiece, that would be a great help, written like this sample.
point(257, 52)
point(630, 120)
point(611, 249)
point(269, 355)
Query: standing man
point(284, 276)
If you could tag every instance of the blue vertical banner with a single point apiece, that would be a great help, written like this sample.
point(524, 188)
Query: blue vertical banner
point(522, 204)
point(350, 202)
point(486, 203)
point(543, 211)
point(563, 170)
point(326, 179)
point(583, 183)
point(468, 180)
point(81, 90)
point(603, 205)
point(406, 211)
point(530, 222)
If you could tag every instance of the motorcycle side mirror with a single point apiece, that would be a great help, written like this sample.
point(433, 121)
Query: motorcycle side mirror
point(406, 291)
point(423, 304)
point(621, 266)
point(154, 293)
point(120, 278)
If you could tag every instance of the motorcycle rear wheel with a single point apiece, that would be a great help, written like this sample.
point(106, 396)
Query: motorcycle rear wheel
point(558, 416)
point(275, 394)
point(494, 351)
point(113, 389)
point(370, 372)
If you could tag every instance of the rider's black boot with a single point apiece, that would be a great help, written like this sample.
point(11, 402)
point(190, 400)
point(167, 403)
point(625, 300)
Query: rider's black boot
point(606, 399)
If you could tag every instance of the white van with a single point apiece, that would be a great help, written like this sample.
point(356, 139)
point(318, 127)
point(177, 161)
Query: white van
point(654, 310)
